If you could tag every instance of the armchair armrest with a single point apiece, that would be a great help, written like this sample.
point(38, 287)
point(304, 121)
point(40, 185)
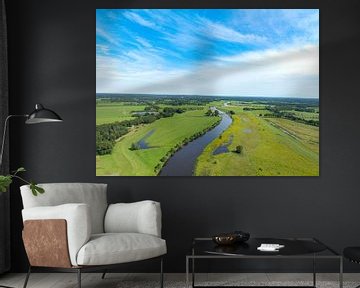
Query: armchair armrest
point(138, 217)
point(77, 217)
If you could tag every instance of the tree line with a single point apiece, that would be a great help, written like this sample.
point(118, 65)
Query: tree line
point(277, 113)
point(292, 117)
point(147, 99)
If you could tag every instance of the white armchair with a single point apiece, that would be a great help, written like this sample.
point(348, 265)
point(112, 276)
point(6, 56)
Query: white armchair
point(72, 228)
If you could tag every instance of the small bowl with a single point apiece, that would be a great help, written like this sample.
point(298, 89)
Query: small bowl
point(225, 239)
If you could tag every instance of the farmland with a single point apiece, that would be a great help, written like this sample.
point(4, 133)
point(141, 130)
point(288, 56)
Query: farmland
point(267, 136)
point(111, 112)
point(167, 135)
point(270, 147)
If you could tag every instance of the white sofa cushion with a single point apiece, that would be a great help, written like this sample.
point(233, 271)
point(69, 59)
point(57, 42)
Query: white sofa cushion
point(92, 194)
point(113, 248)
point(138, 217)
point(77, 218)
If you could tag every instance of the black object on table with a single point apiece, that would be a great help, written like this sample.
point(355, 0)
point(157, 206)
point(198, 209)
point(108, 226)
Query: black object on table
point(294, 248)
point(353, 255)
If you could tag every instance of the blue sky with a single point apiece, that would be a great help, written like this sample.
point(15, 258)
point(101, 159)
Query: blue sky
point(228, 52)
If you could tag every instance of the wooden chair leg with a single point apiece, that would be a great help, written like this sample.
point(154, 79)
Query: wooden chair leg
point(79, 278)
point(27, 277)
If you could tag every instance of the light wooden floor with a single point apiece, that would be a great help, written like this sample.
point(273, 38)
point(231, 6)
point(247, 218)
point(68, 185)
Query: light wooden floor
point(114, 280)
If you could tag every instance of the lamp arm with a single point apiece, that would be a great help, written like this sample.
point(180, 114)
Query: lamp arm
point(4, 134)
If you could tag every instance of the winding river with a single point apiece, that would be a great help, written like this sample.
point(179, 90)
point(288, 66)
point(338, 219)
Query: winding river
point(182, 163)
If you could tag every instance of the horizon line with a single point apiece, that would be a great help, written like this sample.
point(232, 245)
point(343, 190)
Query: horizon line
point(154, 94)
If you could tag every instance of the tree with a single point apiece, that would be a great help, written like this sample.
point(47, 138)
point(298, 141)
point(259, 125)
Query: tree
point(239, 149)
point(232, 112)
point(134, 146)
point(216, 113)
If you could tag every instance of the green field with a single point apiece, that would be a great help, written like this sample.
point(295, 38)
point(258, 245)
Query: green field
point(168, 132)
point(272, 143)
point(271, 147)
point(307, 135)
point(111, 112)
point(306, 115)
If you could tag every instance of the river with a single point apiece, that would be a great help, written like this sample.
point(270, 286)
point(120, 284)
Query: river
point(182, 163)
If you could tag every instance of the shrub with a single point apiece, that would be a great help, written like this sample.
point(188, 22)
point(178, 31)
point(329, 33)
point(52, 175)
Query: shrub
point(239, 149)
point(134, 146)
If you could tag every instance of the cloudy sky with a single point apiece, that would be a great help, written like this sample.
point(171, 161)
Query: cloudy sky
point(228, 52)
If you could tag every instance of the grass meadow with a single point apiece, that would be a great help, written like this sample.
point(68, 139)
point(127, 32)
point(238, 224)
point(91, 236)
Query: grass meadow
point(271, 147)
point(167, 133)
point(110, 112)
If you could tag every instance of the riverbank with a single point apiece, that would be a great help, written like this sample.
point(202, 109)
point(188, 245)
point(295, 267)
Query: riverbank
point(183, 162)
point(168, 132)
point(267, 150)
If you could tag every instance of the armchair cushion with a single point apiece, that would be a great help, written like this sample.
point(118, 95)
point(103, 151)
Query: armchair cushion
point(78, 221)
point(138, 217)
point(92, 194)
point(113, 248)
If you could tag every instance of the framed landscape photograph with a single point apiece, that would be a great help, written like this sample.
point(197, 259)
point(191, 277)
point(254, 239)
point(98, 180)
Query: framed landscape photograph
point(207, 92)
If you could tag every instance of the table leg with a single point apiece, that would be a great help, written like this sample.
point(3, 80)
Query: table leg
point(187, 272)
point(193, 272)
point(341, 273)
point(314, 271)
point(193, 267)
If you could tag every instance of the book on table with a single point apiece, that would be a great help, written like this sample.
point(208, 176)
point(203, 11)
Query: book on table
point(270, 247)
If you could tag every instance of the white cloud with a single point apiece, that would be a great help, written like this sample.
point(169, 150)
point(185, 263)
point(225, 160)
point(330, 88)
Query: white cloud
point(186, 40)
point(200, 31)
point(293, 60)
point(143, 63)
point(297, 26)
point(143, 42)
point(221, 32)
point(107, 36)
point(278, 73)
point(139, 20)
point(103, 49)
point(116, 75)
point(283, 73)
point(304, 20)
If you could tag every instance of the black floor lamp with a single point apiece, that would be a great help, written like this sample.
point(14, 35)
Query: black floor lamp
point(39, 115)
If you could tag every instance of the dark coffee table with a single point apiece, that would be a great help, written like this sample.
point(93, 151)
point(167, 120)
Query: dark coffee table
point(295, 248)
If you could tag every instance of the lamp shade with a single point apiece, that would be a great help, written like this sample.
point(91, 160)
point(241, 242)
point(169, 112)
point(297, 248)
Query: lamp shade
point(42, 115)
